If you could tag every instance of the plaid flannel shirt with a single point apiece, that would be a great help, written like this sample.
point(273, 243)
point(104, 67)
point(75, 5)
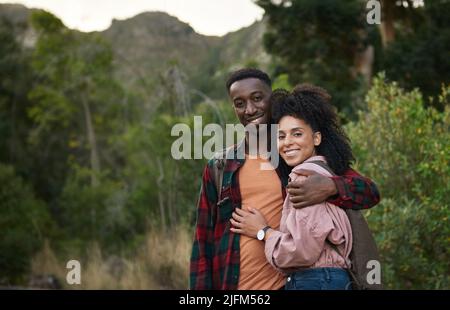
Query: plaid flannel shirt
point(215, 253)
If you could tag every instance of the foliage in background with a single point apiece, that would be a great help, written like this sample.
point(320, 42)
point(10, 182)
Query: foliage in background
point(405, 148)
point(330, 43)
point(76, 105)
point(97, 158)
point(419, 55)
point(24, 222)
point(317, 42)
point(15, 81)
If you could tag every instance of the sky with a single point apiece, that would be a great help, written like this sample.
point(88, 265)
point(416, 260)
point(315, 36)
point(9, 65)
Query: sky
point(208, 17)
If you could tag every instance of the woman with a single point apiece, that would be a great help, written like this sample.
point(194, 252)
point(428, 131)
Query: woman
point(312, 244)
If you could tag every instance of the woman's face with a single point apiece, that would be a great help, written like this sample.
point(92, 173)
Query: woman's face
point(296, 140)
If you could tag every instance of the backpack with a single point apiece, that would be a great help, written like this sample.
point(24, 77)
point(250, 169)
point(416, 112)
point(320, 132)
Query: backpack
point(217, 171)
point(364, 247)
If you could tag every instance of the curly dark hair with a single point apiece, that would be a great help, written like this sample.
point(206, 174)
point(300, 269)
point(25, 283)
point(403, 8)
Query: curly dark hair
point(312, 105)
point(246, 73)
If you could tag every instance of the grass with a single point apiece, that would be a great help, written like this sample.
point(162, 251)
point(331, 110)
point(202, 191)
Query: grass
point(161, 262)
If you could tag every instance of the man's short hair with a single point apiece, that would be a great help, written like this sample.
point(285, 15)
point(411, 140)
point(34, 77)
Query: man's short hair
point(247, 73)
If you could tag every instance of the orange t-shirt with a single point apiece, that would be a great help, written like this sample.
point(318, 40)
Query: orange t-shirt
point(260, 189)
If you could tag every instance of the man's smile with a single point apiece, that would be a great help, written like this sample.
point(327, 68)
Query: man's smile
point(255, 119)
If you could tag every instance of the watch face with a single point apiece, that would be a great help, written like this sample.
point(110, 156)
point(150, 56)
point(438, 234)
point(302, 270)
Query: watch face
point(260, 234)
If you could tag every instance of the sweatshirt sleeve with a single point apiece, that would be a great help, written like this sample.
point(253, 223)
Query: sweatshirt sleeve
point(303, 243)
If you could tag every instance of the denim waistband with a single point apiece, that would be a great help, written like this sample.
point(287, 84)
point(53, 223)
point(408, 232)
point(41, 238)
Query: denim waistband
point(326, 272)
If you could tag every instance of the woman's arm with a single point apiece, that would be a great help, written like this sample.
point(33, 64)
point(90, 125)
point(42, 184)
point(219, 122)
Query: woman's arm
point(304, 240)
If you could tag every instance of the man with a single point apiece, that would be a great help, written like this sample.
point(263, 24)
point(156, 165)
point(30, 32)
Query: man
point(224, 260)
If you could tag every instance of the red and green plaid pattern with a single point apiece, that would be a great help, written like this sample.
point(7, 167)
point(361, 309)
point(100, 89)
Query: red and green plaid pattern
point(355, 191)
point(215, 253)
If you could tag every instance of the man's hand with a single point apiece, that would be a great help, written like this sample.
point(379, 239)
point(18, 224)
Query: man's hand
point(315, 189)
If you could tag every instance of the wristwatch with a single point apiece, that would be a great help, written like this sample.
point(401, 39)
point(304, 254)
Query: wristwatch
point(262, 233)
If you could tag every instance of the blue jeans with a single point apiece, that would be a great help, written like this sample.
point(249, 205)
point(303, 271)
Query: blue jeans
point(319, 279)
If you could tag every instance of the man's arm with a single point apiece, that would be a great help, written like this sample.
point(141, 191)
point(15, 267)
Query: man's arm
point(355, 191)
point(349, 191)
point(202, 249)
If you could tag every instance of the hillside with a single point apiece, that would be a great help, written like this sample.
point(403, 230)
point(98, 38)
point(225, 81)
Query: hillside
point(151, 46)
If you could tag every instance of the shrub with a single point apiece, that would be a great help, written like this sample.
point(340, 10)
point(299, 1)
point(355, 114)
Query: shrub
point(24, 223)
point(405, 148)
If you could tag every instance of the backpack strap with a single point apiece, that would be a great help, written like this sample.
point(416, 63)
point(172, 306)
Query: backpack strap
point(323, 165)
point(218, 169)
point(364, 247)
point(349, 268)
point(332, 245)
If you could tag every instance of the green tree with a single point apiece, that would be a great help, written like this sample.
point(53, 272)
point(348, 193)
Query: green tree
point(78, 112)
point(24, 222)
point(405, 148)
point(77, 105)
point(15, 81)
point(318, 42)
point(162, 189)
point(95, 213)
point(330, 43)
point(418, 57)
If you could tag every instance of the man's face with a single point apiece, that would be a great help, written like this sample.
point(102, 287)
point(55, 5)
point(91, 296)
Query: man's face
point(250, 98)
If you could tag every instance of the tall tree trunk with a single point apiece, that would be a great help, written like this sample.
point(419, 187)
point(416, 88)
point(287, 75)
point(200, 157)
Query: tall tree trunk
point(13, 140)
point(161, 192)
point(364, 63)
point(387, 22)
point(95, 161)
point(173, 198)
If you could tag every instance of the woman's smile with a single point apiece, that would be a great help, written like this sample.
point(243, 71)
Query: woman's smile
point(291, 152)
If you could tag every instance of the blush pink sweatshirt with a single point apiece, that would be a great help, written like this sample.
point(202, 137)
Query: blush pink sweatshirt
point(300, 241)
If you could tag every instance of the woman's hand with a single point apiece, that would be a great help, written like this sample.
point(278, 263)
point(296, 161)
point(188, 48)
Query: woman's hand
point(247, 223)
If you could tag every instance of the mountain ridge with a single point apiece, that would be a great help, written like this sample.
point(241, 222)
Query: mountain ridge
point(150, 44)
